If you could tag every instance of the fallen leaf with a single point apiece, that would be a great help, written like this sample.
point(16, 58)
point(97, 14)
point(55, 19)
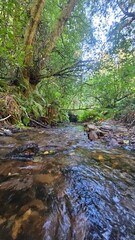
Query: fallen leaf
point(46, 152)
point(18, 223)
point(51, 151)
point(100, 157)
point(72, 153)
point(2, 220)
point(37, 159)
point(126, 141)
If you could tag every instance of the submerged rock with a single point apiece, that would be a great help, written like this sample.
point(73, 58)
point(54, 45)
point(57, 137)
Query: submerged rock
point(24, 152)
point(5, 132)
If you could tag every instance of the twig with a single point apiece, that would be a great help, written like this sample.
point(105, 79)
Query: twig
point(3, 119)
point(38, 123)
point(76, 109)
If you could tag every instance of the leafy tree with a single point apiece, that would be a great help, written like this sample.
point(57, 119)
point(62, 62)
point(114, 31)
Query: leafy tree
point(114, 80)
point(53, 48)
point(25, 41)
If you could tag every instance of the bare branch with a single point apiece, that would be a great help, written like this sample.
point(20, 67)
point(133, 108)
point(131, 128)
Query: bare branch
point(3, 119)
point(58, 29)
point(125, 12)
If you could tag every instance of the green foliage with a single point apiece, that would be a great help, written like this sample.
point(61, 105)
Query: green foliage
point(113, 81)
point(13, 20)
point(25, 120)
point(125, 108)
point(90, 115)
point(3, 85)
point(33, 108)
point(102, 85)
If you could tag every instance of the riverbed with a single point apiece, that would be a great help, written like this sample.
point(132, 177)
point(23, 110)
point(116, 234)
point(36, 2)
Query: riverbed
point(72, 189)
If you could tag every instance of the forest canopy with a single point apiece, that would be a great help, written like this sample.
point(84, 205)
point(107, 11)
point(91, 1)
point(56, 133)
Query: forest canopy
point(74, 54)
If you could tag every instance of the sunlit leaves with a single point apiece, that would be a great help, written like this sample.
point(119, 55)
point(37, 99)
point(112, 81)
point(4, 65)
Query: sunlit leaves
point(13, 18)
point(114, 81)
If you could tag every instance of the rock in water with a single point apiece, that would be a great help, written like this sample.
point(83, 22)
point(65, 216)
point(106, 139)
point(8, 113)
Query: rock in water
point(24, 153)
point(92, 135)
point(93, 132)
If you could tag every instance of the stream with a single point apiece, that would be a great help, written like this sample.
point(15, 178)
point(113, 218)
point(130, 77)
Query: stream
point(72, 189)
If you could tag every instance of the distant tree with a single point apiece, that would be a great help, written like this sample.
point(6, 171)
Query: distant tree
point(114, 81)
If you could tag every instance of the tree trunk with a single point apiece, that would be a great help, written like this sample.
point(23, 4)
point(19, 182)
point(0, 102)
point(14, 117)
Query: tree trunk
point(31, 30)
point(29, 39)
point(58, 29)
point(30, 34)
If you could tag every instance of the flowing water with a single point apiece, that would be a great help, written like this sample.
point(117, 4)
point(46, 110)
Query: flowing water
point(73, 189)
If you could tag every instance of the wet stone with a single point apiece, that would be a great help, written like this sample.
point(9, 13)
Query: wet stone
point(17, 184)
point(25, 152)
point(45, 178)
point(5, 132)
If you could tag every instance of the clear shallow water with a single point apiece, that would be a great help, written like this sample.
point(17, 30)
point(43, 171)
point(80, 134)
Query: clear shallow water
point(74, 189)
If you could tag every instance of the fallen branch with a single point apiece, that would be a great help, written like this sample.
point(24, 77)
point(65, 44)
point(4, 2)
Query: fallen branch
point(38, 123)
point(76, 109)
point(3, 119)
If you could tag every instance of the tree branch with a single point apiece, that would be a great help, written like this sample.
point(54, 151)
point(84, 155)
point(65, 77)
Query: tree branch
point(125, 96)
point(3, 119)
point(73, 70)
point(125, 12)
point(56, 32)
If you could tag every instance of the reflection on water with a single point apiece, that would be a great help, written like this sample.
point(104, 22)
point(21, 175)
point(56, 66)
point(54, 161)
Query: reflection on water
point(92, 207)
point(82, 192)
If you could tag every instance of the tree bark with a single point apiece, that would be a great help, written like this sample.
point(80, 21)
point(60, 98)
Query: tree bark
point(29, 39)
point(58, 29)
point(30, 34)
point(31, 30)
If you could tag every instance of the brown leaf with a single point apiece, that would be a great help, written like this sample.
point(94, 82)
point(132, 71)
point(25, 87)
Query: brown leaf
point(18, 223)
point(100, 157)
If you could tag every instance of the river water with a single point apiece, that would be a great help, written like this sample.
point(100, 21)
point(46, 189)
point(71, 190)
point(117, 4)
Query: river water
point(73, 189)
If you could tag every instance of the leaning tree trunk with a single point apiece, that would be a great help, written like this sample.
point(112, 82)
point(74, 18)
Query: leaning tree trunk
point(56, 32)
point(51, 39)
point(29, 38)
